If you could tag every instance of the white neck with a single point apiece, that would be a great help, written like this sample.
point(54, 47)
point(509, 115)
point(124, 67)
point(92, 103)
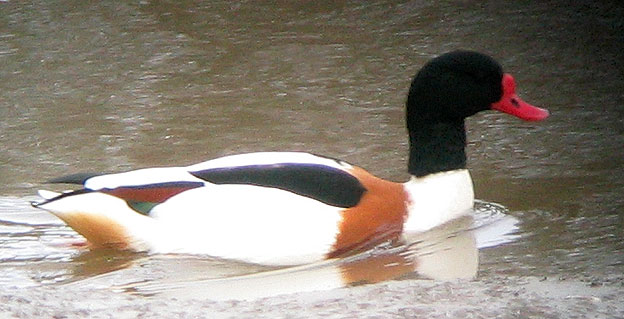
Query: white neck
point(438, 198)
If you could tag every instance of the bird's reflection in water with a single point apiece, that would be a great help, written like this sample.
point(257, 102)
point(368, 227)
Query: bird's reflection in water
point(447, 252)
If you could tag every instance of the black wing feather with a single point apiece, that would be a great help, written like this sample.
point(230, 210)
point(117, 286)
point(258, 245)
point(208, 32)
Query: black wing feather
point(78, 178)
point(326, 184)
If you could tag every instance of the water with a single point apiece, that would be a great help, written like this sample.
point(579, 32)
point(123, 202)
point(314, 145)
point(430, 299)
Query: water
point(110, 86)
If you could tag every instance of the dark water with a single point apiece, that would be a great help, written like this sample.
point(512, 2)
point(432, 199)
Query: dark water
point(110, 86)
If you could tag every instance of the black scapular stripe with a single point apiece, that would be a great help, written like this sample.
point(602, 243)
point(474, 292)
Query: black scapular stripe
point(326, 184)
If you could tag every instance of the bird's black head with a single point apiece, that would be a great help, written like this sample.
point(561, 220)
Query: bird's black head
point(454, 86)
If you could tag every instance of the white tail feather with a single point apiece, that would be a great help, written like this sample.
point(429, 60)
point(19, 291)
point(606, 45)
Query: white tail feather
point(45, 194)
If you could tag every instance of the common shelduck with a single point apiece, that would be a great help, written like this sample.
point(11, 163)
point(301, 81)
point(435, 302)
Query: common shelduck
point(286, 208)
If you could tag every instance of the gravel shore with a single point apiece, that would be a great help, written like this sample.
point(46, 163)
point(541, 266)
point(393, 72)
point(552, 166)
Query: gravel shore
point(495, 297)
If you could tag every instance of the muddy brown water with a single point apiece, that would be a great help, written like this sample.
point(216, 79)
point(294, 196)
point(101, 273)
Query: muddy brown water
point(108, 86)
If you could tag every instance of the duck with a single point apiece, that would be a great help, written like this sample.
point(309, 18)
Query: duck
point(292, 208)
